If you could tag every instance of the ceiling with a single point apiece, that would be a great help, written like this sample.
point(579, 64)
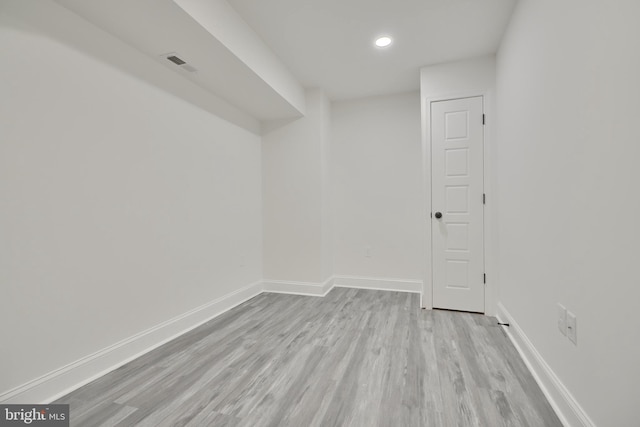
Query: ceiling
point(160, 27)
point(328, 44)
point(255, 57)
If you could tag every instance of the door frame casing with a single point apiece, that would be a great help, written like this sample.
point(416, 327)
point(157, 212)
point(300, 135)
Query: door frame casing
point(489, 241)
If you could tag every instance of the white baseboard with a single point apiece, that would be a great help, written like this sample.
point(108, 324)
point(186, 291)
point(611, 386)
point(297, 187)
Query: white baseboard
point(567, 408)
point(381, 284)
point(58, 383)
point(321, 289)
point(298, 288)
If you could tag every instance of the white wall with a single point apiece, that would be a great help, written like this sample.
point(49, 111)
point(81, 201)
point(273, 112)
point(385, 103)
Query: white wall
point(568, 87)
point(472, 77)
point(377, 187)
point(327, 195)
point(121, 206)
point(296, 215)
point(458, 78)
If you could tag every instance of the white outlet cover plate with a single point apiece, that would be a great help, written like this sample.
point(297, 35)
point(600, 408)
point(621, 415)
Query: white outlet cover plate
point(562, 319)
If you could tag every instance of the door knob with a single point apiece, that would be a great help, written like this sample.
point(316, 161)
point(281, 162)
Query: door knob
point(438, 215)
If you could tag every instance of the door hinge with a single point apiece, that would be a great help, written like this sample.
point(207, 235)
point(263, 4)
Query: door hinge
point(483, 121)
point(484, 278)
point(484, 199)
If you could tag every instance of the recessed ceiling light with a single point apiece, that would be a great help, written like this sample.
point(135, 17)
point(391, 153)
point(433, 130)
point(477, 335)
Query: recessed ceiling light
point(383, 41)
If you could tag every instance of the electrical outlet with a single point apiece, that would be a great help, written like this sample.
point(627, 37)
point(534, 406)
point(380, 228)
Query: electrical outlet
point(367, 251)
point(562, 319)
point(572, 328)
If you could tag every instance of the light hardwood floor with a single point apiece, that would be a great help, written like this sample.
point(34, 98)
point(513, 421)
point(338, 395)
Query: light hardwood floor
point(352, 358)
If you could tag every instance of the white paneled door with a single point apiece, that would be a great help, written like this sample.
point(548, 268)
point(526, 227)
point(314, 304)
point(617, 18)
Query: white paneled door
point(457, 199)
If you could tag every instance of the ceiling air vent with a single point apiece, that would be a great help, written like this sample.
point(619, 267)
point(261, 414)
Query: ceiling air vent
point(176, 60)
point(173, 57)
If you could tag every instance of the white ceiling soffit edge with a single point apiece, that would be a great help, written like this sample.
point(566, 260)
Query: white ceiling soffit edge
point(59, 23)
point(159, 27)
point(226, 25)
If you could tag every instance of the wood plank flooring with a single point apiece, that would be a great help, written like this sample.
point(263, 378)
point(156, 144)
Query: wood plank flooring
point(352, 358)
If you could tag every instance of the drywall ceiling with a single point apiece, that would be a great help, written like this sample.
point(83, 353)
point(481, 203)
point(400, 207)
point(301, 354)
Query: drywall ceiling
point(257, 55)
point(157, 27)
point(329, 43)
